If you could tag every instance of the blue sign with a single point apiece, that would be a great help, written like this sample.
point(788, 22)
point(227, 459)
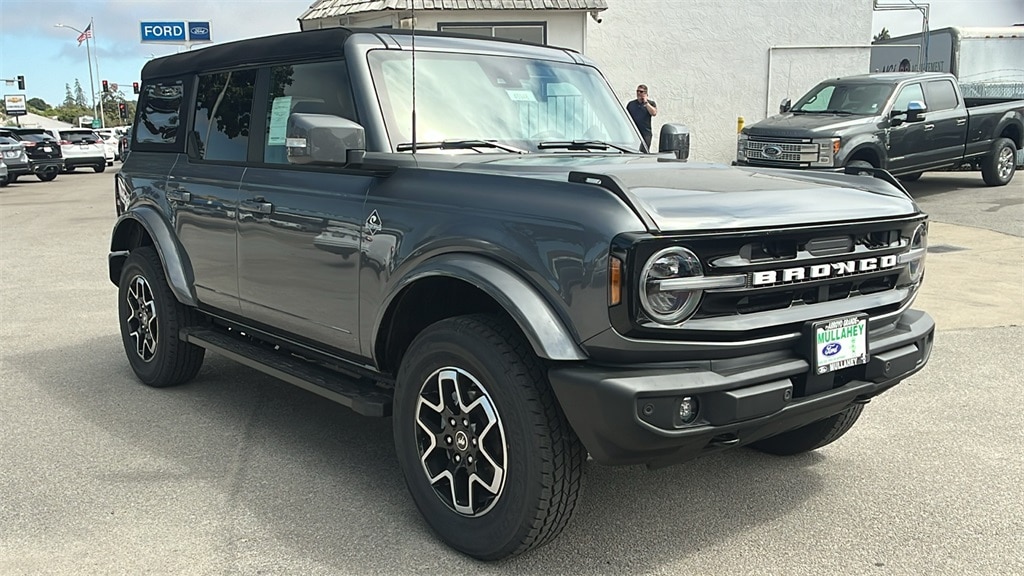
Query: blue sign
point(199, 32)
point(163, 31)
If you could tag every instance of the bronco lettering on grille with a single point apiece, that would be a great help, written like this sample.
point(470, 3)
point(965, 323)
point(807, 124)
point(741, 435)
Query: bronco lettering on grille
point(822, 271)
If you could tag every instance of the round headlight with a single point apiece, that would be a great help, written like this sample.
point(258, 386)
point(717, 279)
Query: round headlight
point(919, 245)
point(663, 300)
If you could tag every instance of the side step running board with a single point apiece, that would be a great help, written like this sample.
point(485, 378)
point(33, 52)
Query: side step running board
point(362, 396)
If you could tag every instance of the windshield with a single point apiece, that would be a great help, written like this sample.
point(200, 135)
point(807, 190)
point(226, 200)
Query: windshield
point(838, 98)
point(517, 101)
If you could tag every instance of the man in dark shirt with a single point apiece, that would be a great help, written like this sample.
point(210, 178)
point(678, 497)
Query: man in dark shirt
point(641, 110)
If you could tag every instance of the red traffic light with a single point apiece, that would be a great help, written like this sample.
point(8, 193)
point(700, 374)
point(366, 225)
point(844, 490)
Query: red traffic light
point(106, 87)
point(135, 87)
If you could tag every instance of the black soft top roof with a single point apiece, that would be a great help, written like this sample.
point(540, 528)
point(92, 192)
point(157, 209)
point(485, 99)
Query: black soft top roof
point(311, 45)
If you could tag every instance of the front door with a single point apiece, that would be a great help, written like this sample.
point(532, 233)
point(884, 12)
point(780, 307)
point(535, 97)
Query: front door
point(907, 142)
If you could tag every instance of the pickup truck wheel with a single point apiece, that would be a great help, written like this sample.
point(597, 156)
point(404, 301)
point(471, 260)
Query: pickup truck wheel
point(811, 436)
point(150, 318)
point(488, 456)
point(910, 177)
point(47, 174)
point(860, 164)
point(997, 168)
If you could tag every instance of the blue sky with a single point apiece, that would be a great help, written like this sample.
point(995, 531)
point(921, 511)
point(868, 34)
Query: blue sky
point(50, 57)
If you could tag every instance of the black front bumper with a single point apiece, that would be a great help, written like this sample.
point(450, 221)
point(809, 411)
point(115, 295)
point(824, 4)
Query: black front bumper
point(629, 415)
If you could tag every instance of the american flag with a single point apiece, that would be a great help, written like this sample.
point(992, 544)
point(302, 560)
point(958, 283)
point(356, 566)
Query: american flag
point(85, 35)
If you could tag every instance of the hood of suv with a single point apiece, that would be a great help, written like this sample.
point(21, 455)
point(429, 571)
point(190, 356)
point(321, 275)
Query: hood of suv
point(807, 125)
point(683, 196)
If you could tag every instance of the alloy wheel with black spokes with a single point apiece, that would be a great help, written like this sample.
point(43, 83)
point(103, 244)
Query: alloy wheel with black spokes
point(151, 318)
point(461, 441)
point(487, 454)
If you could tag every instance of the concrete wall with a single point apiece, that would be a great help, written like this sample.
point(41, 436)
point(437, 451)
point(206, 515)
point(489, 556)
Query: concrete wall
point(706, 61)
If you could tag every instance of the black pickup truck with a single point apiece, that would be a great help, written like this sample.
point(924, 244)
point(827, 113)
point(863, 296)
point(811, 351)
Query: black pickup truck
point(504, 273)
point(906, 123)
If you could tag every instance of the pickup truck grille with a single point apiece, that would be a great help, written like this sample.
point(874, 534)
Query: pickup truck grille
point(781, 151)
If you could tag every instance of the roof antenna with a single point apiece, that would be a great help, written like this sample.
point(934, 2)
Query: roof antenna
point(412, 3)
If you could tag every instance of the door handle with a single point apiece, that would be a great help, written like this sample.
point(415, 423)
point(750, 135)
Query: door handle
point(258, 205)
point(961, 121)
point(179, 195)
point(929, 127)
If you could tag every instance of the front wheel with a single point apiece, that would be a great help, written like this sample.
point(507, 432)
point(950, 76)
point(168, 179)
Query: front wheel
point(150, 318)
point(861, 164)
point(997, 168)
point(913, 177)
point(488, 456)
point(812, 436)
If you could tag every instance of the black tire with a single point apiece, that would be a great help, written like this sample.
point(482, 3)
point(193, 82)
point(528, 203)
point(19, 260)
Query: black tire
point(860, 164)
point(69, 169)
point(911, 177)
point(12, 178)
point(811, 436)
point(150, 318)
point(48, 174)
point(524, 435)
point(998, 168)
point(4, 181)
point(99, 167)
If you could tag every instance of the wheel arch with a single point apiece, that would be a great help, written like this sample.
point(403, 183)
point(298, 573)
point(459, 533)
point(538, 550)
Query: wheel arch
point(1014, 131)
point(144, 226)
point(466, 284)
point(868, 152)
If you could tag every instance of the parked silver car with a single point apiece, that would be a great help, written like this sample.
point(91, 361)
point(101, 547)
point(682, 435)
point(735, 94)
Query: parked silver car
point(13, 158)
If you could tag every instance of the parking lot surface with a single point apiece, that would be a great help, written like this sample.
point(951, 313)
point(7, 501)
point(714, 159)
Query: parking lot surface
point(237, 473)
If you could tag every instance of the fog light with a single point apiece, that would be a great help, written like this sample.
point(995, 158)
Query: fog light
point(688, 409)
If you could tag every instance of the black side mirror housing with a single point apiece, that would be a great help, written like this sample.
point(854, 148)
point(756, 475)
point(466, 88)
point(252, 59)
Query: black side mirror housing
point(785, 106)
point(915, 111)
point(324, 139)
point(675, 138)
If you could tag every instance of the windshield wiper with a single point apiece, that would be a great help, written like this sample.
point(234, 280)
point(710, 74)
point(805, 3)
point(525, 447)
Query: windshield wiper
point(840, 112)
point(582, 145)
point(458, 145)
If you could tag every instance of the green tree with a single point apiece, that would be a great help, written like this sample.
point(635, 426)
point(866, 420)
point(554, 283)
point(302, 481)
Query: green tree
point(883, 35)
point(80, 100)
point(69, 100)
point(38, 104)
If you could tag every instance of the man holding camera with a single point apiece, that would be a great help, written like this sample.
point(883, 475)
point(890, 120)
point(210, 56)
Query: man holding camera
point(641, 111)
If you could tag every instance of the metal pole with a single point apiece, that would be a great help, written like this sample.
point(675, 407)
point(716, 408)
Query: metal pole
point(92, 83)
point(92, 29)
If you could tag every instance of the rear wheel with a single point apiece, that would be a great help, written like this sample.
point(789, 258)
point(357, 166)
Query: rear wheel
point(99, 167)
point(151, 318)
point(12, 178)
point(4, 180)
point(487, 454)
point(48, 174)
point(997, 168)
point(811, 436)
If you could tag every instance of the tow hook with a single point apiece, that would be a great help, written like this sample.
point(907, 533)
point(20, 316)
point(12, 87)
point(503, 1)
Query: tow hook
point(724, 440)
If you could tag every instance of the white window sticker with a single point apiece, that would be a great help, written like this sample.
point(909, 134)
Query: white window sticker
point(279, 120)
point(520, 95)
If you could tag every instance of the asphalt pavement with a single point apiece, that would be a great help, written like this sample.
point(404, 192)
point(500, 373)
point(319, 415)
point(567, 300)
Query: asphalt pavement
point(237, 473)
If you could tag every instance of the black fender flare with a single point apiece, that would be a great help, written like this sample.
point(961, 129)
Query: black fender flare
point(540, 323)
point(177, 268)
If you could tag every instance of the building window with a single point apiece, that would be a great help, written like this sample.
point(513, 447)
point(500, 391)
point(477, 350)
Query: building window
point(223, 114)
point(534, 32)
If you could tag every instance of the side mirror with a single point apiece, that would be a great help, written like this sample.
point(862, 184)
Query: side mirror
point(675, 138)
point(915, 111)
point(785, 106)
point(324, 139)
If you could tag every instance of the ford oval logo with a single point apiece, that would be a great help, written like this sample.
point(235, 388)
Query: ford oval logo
point(831, 349)
point(772, 151)
point(200, 31)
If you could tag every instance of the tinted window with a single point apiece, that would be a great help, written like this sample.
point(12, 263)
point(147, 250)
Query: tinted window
point(160, 113)
point(941, 95)
point(908, 94)
point(223, 115)
point(316, 88)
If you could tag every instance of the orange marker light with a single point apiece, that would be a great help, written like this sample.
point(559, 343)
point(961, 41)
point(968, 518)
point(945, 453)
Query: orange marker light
point(614, 281)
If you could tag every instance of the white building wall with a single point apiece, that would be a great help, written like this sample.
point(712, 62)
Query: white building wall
point(706, 61)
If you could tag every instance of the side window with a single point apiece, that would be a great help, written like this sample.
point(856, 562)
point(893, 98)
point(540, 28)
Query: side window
point(159, 113)
point(908, 94)
point(941, 95)
point(314, 88)
point(223, 115)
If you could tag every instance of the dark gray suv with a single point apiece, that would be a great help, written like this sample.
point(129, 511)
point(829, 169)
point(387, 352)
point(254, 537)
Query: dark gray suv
point(486, 256)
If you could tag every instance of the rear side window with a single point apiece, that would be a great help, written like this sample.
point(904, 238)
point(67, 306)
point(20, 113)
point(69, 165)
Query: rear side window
point(160, 113)
point(941, 95)
point(908, 94)
point(223, 115)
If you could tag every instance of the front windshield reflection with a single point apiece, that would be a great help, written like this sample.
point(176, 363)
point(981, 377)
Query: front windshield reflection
point(837, 98)
point(517, 101)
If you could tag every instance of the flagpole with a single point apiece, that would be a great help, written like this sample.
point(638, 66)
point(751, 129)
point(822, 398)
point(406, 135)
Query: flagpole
point(92, 29)
point(88, 57)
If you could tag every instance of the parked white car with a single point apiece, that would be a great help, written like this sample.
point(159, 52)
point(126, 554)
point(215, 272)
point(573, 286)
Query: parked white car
point(83, 147)
point(111, 137)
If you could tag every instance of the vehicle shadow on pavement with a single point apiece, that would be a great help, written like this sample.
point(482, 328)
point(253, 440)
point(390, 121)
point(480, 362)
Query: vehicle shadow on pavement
point(245, 470)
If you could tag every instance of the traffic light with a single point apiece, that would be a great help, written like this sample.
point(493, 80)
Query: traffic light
point(122, 108)
point(21, 82)
point(135, 87)
point(106, 87)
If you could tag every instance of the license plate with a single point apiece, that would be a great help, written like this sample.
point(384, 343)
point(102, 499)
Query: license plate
point(47, 149)
point(840, 343)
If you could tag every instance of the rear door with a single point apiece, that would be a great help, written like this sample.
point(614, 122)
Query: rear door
point(945, 123)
